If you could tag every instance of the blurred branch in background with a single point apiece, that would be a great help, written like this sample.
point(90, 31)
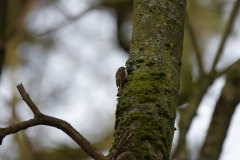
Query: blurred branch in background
point(29, 52)
point(21, 138)
point(123, 10)
point(15, 61)
point(69, 20)
point(124, 18)
point(3, 16)
point(222, 115)
point(34, 55)
point(11, 19)
point(195, 46)
point(63, 151)
point(201, 85)
point(225, 35)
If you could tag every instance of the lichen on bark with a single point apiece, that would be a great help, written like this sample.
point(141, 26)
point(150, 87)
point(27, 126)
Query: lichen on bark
point(150, 94)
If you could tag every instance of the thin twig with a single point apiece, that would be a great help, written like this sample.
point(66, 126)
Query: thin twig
point(121, 142)
point(69, 20)
point(41, 119)
point(195, 45)
point(225, 35)
point(220, 73)
point(28, 100)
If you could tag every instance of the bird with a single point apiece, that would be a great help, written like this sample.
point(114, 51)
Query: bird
point(121, 76)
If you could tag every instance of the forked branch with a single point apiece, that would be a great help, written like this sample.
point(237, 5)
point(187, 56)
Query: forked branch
point(41, 119)
point(225, 35)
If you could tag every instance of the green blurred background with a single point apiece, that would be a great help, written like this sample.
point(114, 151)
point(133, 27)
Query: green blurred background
point(66, 54)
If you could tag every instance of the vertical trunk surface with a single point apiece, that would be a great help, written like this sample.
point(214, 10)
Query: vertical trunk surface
point(146, 111)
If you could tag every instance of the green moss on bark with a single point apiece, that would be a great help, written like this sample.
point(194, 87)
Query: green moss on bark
point(150, 94)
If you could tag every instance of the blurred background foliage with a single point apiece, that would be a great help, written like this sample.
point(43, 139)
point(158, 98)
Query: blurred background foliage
point(66, 54)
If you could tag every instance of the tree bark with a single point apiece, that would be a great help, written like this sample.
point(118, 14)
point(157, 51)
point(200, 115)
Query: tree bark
point(146, 111)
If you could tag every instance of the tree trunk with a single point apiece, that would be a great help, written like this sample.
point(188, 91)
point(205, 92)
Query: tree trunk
point(146, 110)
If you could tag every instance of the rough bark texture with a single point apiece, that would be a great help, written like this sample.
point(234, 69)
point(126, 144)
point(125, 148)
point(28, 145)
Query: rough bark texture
point(222, 115)
point(147, 109)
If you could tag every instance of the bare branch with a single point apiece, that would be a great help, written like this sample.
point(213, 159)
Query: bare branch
point(220, 73)
point(200, 87)
point(41, 119)
point(222, 116)
point(225, 35)
point(28, 100)
point(70, 20)
point(195, 45)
